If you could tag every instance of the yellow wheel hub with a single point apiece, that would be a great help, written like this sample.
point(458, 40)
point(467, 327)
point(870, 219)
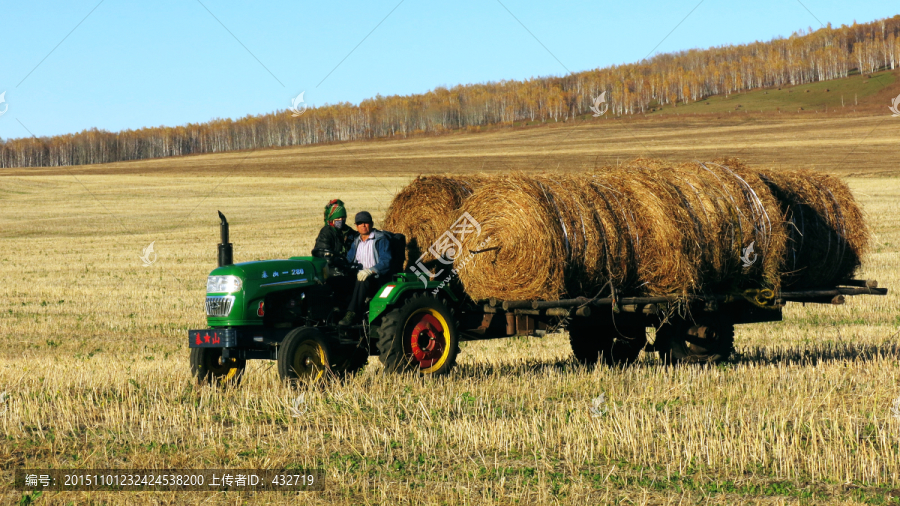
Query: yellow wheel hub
point(310, 361)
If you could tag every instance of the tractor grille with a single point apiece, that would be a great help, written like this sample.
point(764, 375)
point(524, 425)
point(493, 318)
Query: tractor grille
point(219, 305)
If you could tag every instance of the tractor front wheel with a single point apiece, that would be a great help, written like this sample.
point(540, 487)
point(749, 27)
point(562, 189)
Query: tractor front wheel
point(208, 366)
point(419, 336)
point(306, 354)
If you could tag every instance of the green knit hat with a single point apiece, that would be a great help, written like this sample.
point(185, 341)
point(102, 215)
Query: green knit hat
point(335, 210)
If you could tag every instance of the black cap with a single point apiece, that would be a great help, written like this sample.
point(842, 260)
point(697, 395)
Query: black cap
point(363, 217)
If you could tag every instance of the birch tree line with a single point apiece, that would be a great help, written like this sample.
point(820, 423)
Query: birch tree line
point(663, 80)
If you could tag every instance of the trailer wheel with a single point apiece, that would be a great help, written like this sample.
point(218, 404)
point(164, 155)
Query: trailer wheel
point(618, 344)
point(307, 354)
point(419, 336)
point(209, 368)
point(709, 340)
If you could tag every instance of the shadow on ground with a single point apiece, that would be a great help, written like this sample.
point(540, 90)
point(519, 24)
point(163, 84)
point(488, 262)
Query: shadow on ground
point(804, 355)
point(817, 353)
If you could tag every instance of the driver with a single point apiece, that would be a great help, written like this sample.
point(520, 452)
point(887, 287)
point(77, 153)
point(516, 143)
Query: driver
point(370, 253)
point(335, 237)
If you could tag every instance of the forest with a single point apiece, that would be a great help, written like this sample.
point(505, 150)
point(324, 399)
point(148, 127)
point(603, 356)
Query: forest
point(663, 80)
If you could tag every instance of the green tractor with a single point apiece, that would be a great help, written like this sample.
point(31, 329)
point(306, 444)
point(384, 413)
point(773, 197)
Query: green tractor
point(287, 311)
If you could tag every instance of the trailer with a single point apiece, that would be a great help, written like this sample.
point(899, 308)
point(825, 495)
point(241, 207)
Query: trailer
point(287, 310)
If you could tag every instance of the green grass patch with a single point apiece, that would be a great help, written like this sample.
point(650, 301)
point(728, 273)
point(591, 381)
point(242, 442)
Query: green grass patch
point(833, 95)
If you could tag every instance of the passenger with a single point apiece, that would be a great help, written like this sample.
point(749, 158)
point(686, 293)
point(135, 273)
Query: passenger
point(336, 236)
point(370, 253)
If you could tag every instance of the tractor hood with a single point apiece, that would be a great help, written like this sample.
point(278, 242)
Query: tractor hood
point(243, 305)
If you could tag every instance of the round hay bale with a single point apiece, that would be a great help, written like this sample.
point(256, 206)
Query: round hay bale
point(748, 242)
point(525, 257)
point(595, 232)
point(698, 221)
point(826, 229)
point(614, 228)
point(425, 208)
point(659, 245)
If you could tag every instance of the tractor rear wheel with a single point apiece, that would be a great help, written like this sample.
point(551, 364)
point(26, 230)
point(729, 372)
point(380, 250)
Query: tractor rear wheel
point(709, 340)
point(594, 340)
point(307, 354)
point(208, 367)
point(419, 336)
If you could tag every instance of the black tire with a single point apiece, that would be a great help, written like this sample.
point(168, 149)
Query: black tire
point(207, 366)
point(401, 350)
point(596, 340)
point(709, 340)
point(307, 354)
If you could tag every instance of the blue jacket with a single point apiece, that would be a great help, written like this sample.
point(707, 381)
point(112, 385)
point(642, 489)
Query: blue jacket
point(382, 265)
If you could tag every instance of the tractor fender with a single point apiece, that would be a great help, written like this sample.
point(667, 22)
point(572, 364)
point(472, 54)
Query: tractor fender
point(394, 292)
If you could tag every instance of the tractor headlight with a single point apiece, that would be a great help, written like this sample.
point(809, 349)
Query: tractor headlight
point(223, 284)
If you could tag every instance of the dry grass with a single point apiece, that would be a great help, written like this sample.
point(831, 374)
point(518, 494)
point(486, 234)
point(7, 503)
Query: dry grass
point(94, 360)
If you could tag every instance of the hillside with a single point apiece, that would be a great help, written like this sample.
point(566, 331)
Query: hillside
point(850, 140)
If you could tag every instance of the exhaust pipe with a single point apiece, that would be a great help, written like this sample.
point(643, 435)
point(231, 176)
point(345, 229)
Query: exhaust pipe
point(226, 255)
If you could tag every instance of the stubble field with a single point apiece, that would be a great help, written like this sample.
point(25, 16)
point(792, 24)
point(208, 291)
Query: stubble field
point(94, 361)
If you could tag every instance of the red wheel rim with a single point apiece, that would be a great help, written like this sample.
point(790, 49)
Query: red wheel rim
point(427, 339)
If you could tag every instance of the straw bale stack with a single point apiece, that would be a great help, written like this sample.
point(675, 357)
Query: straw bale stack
point(646, 227)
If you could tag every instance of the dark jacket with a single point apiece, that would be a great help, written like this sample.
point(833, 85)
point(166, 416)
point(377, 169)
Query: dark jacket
point(334, 240)
point(382, 265)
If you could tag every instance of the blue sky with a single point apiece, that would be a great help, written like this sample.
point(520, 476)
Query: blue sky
point(171, 62)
